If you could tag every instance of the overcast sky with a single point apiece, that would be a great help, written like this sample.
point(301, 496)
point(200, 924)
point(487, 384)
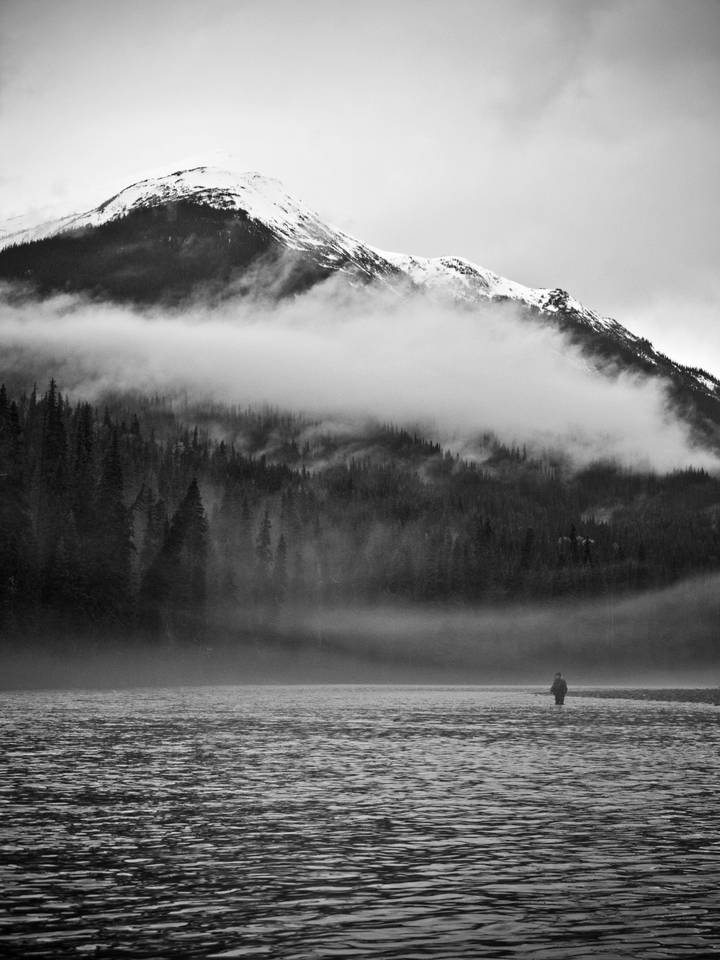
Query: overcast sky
point(560, 143)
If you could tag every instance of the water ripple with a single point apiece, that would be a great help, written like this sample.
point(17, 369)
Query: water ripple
point(314, 822)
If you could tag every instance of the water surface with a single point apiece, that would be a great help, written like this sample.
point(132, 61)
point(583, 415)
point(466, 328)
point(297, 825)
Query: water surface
point(313, 822)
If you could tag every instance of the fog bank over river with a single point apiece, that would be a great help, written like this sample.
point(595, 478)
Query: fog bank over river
point(666, 638)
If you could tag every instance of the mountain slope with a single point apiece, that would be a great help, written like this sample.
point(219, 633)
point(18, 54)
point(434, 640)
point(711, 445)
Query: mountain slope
point(260, 203)
point(210, 232)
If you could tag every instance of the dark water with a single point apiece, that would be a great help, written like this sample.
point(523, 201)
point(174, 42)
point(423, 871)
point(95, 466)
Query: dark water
point(686, 695)
point(312, 822)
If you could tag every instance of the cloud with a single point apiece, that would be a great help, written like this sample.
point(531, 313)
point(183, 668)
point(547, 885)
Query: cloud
point(358, 353)
point(664, 634)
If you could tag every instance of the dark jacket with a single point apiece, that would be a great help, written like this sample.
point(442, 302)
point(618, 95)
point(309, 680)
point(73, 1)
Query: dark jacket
point(559, 687)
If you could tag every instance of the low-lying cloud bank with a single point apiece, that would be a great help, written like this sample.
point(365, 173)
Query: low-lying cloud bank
point(666, 637)
point(346, 353)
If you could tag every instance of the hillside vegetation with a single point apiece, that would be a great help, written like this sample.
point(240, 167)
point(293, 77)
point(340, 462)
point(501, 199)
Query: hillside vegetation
point(149, 518)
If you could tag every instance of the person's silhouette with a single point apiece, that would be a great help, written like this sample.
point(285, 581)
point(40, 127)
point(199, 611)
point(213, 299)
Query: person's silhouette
point(559, 688)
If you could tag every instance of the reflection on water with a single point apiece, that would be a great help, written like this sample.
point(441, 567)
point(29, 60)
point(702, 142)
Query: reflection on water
point(312, 822)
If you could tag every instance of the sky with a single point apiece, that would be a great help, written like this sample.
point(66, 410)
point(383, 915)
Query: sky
point(570, 143)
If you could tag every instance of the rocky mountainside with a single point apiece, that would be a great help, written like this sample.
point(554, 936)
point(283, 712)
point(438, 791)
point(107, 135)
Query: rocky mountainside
point(208, 232)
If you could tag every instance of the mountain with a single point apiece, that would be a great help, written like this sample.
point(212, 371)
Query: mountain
point(152, 520)
point(159, 239)
point(208, 232)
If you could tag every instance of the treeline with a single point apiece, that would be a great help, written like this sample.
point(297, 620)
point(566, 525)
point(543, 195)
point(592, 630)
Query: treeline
point(141, 518)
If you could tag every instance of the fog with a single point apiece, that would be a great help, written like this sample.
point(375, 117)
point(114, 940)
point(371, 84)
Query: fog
point(346, 352)
point(660, 638)
point(663, 636)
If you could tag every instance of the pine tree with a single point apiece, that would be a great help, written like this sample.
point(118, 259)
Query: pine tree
point(173, 590)
point(156, 529)
point(51, 497)
point(194, 547)
point(83, 482)
point(263, 559)
point(53, 462)
point(16, 535)
point(112, 545)
point(280, 575)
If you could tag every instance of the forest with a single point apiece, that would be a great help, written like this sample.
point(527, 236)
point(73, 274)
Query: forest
point(155, 519)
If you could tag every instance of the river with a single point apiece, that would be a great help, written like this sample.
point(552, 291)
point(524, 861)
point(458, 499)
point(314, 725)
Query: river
point(357, 822)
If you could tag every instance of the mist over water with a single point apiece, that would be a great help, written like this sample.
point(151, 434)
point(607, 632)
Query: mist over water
point(661, 637)
point(351, 353)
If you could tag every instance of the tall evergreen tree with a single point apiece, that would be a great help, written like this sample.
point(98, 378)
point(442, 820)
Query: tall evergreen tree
point(174, 589)
point(16, 535)
point(280, 573)
point(263, 559)
point(53, 457)
point(112, 541)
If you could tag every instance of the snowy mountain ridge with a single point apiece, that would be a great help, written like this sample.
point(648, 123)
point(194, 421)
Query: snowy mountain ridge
point(264, 201)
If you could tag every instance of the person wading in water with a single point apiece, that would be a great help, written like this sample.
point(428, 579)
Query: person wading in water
point(559, 688)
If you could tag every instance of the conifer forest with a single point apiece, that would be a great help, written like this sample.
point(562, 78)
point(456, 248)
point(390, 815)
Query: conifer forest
point(158, 520)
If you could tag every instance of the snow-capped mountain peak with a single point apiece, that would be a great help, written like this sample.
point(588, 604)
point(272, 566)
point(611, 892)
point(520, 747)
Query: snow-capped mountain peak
point(269, 210)
point(265, 201)
point(261, 198)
